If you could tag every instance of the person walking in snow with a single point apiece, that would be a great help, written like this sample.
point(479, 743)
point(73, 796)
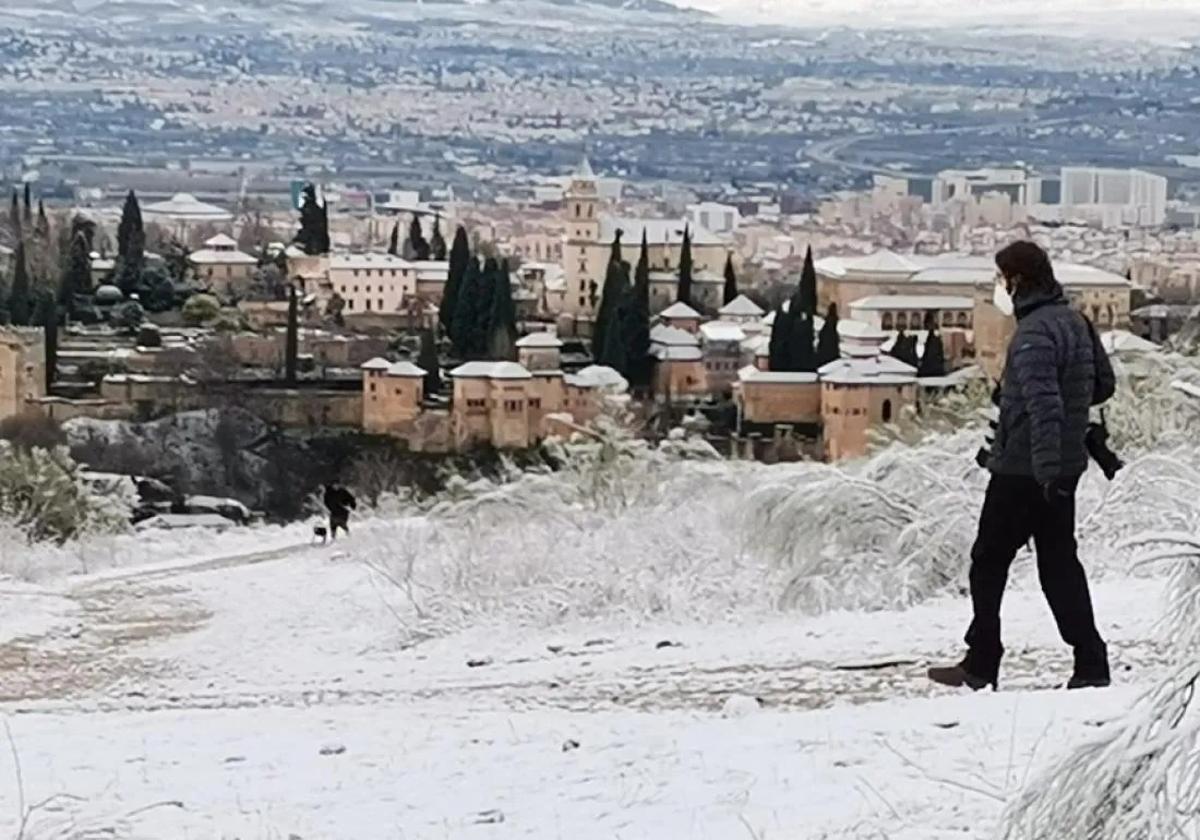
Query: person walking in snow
point(1056, 370)
point(339, 502)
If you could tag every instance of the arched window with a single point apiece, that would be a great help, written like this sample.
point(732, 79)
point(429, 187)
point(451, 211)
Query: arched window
point(887, 320)
point(947, 319)
point(590, 209)
point(887, 411)
point(1110, 316)
point(578, 210)
point(963, 319)
point(1095, 314)
point(902, 321)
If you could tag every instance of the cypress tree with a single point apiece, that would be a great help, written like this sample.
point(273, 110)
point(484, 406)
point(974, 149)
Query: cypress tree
point(685, 268)
point(804, 354)
point(933, 360)
point(460, 255)
point(28, 216)
point(42, 228)
point(416, 239)
point(77, 276)
point(807, 292)
point(615, 284)
point(731, 286)
point(292, 346)
point(904, 348)
point(437, 245)
point(828, 344)
point(614, 254)
point(635, 326)
point(313, 236)
point(394, 245)
point(14, 215)
point(464, 326)
point(20, 300)
point(502, 323)
point(48, 319)
point(779, 350)
point(427, 359)
point(615, 353)
point(131, 245)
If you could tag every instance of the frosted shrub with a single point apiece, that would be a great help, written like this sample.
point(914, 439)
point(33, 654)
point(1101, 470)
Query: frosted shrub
point(883, 533)
point(43, 494)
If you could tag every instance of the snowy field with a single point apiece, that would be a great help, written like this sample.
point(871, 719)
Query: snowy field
point(637, 647)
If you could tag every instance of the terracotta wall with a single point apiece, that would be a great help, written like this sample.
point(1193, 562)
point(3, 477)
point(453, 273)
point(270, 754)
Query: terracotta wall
point(766, 402)
point(849, 411)
point(389, 403)
point(675, 379)
point(22, 372)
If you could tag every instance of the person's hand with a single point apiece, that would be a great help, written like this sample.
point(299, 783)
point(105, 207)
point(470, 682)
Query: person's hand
point(1056, 490)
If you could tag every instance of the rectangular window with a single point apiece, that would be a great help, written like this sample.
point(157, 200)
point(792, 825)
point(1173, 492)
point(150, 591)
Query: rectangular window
point(356, 272)
point(368, 304)
point(381, 304)
point(535, 403)
point(349, 304)
point(372, 387)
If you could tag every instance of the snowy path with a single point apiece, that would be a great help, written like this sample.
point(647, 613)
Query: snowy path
point(218, 684)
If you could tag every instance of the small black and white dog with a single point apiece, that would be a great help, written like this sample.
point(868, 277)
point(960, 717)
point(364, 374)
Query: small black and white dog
point(320, 532)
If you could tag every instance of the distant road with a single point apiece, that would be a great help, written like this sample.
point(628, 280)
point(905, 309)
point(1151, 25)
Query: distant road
point(828, 152)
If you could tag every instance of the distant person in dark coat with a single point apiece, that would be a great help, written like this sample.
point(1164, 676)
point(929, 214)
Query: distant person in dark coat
point(339, 502)
point(1056, 370)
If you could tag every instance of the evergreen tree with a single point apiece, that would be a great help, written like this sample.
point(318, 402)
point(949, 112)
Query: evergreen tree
point(904, 348)
point(615, 353)
point(614, 254)
point(394, 245)
point(292, 345)
point(779, 358)
point(47, 317)
point(77, 275)
point(828, 344)
point(933, 360)
point(615, 284)
point(685, 268)
point(416, 240)
point(803, 343)
point(635, 327)
point(14, 216)
point(437, 245)
point(731, 286)
point(427, 360)
point(806, 294)
point(42, 227)
point(131, 246)
point(20, 298)
point(460, 255)
point(313, 236)
point(465, 324)
point(502, 323)
point(27, 218)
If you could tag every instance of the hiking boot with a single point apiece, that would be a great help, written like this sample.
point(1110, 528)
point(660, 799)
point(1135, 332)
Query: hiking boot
point(1091, 669)
point(956, 676)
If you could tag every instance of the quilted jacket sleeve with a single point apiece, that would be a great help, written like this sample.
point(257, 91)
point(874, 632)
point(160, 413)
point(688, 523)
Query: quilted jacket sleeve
point(1035, 373)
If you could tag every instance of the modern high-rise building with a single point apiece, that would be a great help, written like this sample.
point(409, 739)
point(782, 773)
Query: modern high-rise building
point(1114, 196)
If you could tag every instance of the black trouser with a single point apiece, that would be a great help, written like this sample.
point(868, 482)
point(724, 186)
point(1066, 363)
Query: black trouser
point(339, 519)
point(1014, 510)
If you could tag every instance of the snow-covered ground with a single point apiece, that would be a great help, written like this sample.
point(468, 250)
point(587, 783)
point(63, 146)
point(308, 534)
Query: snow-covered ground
point(272, 698)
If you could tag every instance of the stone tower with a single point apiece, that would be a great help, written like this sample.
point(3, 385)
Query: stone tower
point(583, 252)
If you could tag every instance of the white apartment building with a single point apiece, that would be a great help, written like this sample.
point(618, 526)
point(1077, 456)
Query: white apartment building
point(372, 282)
point(1114, 197)
point(721, 219)
point(1021, 188)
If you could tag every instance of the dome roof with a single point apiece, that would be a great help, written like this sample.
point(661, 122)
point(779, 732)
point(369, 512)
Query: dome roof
point(109, 294)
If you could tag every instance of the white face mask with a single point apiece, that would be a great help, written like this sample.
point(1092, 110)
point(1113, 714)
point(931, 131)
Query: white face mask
point(1002, 300)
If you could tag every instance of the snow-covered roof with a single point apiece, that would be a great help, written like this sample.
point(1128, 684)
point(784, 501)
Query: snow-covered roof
point(1123, 341)
point(860, 351)
point(657, 231)
point(771, 377)
point(541, 340)
point(598, 376)
point(585, 171)
point(491, 370)
point(378, 363)
point(673, 336)
point(186, 207)
point(878, 370)
point(675, 353)
point(221, 240)
point(911, 302)
point(953, 269)
point(405, 369)
point(209, 256)
point(722, 331)
point(679, 311)
point(370, 260)
point(881, 262)
point(859, 330)
point(742, 306)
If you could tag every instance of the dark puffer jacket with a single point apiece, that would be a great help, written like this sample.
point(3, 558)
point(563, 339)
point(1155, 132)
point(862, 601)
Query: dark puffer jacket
point(1056, 371)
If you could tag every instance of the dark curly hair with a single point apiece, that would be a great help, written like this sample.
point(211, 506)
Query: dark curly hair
point(1025, 265)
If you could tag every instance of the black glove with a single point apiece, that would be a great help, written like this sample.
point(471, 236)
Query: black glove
point(1057, 490)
